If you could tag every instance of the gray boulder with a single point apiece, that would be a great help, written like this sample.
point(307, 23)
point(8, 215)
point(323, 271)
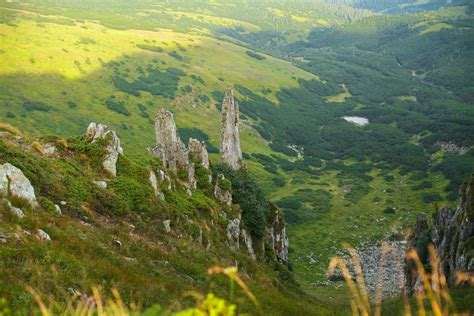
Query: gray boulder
point(14, 182)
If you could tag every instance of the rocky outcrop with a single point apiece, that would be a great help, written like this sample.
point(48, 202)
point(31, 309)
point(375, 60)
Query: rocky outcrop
point(222, 190)
point(101, 132)
point(156, 185)
point(13, 182)
point(247, 240)
point(198, 152)
point(233, 233)
point(169, 147)
point(452, 235)
point(277, 237)
point(231, 153)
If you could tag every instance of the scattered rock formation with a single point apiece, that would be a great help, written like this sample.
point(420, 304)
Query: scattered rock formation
point(230, 139)
point(198, 152)
point(277, 237)
point(221, 191)
point(13, 182)
point(169, 147)
point(387, 274)
point(112, 142)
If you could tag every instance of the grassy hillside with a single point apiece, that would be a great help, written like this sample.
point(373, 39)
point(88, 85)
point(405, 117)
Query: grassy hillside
point(63, 65)
point(113, 238)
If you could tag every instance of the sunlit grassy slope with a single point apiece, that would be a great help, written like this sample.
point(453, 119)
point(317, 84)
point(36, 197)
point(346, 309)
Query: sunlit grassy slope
point(69, 64)
point(57, 64)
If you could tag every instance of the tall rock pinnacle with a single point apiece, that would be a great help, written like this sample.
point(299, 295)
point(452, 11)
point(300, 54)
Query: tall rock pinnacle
point(169, 147)
point(230, 139)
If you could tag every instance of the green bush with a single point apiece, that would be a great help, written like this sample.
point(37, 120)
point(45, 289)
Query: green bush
point(255, 55)
point(117, 107)
point(36, 106)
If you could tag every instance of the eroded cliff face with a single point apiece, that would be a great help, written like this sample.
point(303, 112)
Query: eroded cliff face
point(277, 236)
point(231, 153)
point(169, 147)
point(452, 235)
point(112, 145)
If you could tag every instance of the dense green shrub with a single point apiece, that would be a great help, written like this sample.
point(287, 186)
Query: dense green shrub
point(36, 106)
point(252, 200)
point(255, 55)
point(117, 107)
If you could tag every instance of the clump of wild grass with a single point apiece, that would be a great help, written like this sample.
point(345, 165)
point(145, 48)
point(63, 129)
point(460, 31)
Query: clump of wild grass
point(10, 129)
point(209, 305)
point(432, 296)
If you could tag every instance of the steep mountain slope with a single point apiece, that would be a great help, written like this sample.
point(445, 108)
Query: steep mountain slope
point(63, 65)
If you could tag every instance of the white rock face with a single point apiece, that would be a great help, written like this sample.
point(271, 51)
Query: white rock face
point(167, 225)
point(224, 196)
point(101, 184)
point(231, 153)
point(361, 121)
point(14, 182)
point(42, 235)
point(278, 238)
point(169, 147)
point(100, 131)
point(198, 151)
point(58, 210)
point(247, 239)
point(233, 233)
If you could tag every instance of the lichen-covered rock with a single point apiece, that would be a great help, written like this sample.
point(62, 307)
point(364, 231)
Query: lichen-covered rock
point(221, 191)
point(231, 153)
point(247, 239)
point(14, 182)
point(169, 147)
point(277, 236)
point(198, 152)
point(233, 233)
point(100, 131)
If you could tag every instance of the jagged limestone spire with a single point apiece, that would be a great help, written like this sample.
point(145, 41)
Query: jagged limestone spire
point(231, 153)
point(169, 147)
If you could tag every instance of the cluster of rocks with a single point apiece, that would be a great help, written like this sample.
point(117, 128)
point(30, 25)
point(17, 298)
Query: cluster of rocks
point(171, 150)
point(382, 267)
point(451, 234)
point(277, 236)
point(237, 236)
point(450, 147)
point(14, 183)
